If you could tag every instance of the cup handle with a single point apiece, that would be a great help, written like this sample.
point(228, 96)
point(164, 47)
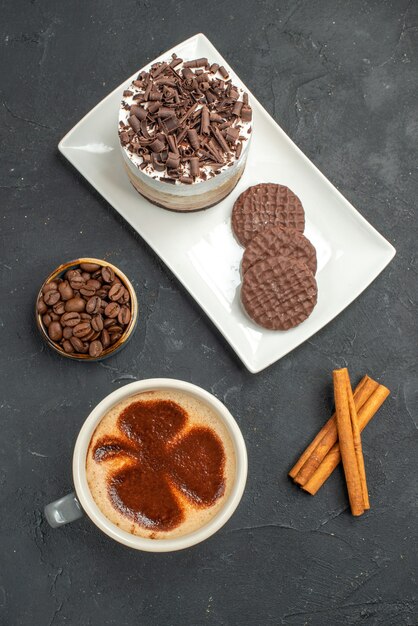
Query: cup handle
point(63, 511)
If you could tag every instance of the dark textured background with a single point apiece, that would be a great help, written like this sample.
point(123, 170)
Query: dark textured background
point(342, 79)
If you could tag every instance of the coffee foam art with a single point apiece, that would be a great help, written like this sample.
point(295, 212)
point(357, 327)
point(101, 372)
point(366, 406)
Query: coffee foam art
point(161, 464)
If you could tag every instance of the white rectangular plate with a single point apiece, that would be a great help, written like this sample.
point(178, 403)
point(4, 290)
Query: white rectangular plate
point(199, 248)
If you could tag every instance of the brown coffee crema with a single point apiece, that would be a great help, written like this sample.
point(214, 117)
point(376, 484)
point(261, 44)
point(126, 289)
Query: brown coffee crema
point(160, 464)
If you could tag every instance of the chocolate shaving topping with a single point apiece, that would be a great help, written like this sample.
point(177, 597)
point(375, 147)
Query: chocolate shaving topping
point(246, 113)
point(173, 160)
point(184, 117)
point(193, 138)
point(194, 166)
point(196, 63)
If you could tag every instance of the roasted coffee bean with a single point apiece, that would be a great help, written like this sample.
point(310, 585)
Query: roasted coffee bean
point(86, 276)
point(72, 274)
point(124, 316)
point(96, 284)
point(125, 298)
point(77, 344)
point(41, 306)
point(67, 332)
point(105, 337)
point(114, 337)
point(46, 319)
point(54, 316)
point(71, 319)
point(85, 316)
point(112, 309)
point(59, 308)
point(81, 330)
point(92, 335)
point(108, 274)
point(68, 347)
point(51, 297)
point(95, 348)
point(97, 274)
point(108, 322)
point(89, 267)
point(77, 282)
point(65, 290)
point(75, 304)
point(101, 292)
point(116, 291)
point(52, 286)
point(87, 292)
point(55, 331)
point(115, 328)
point(97, 322)
point(93, 304)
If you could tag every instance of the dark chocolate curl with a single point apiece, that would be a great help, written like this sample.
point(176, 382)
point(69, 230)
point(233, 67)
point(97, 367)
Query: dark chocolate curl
point(223, 72)
point(134, 123)
point(196, 63)
point(139, 112)
point(170, 124)
point(238, 151)
point(232, 134)
point(157, 145)
point(214, 68)
point(246, 113)
point(210, 96)
point(205, 120)
point(153, 107)
point(193, 138)
point(124, 137)
point(188, 180)
point(159, 70)
point(194, 166)
point(220, 138)
point(236, 110)
point(175, 62)
point(173, 160)
point(165, 112)
point(171, 140)
point(187, 74)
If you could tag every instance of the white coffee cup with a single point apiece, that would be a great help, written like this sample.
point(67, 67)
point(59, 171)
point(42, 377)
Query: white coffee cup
point(73, 505)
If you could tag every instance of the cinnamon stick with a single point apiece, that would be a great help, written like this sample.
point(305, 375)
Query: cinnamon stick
point(358, 448)
point(333, 458)
point(346, 441)
point(315, 453)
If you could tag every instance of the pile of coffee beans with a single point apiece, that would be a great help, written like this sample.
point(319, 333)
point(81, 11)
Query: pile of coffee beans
point(86, 311)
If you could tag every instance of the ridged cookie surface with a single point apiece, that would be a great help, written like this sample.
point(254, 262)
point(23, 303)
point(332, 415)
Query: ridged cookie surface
point(279, 293)
point(279, 241)
point(265, 205)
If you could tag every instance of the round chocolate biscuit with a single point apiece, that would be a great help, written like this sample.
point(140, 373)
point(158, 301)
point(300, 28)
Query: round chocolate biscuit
point(265, 205)
point(279, 293)
point(279, 241)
